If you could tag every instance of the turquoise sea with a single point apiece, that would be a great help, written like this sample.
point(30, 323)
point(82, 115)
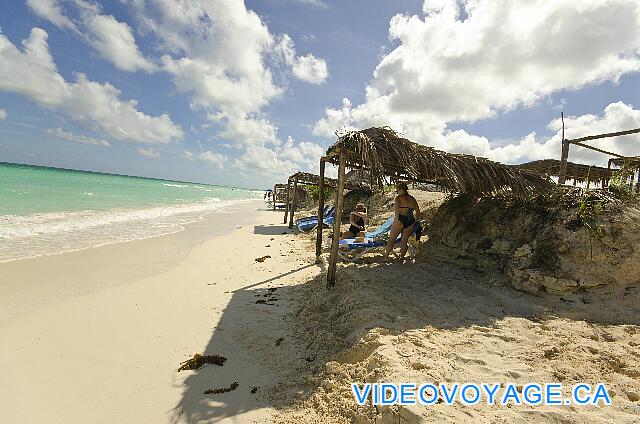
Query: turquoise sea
point(49, 210)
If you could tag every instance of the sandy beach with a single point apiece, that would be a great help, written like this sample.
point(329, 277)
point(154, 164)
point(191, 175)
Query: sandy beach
point(98, 335)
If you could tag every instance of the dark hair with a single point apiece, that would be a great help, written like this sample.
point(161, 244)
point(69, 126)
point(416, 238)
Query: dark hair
point(402, 185)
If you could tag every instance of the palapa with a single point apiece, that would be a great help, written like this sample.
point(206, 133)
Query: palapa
point(306, 178)
point(574, 171)
point(383, 152)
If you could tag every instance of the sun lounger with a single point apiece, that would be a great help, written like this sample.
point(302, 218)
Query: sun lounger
point(311, 222)
point(351, 250)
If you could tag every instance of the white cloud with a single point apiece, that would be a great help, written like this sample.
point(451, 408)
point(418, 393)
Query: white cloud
point(187, 155)
point(311, 69)
point(148, 152)
point(216, 160)
point(51, 11)
point(315, 3)
point(3, 114)
point(306, 68)
point(224, 56)
point(616, 117)
point(455, 65)
point(282, 160)
point(97, 106)
point(112, 40)
point(76, 138)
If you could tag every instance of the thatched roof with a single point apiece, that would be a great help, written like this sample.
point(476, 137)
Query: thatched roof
point(575, 171)
point(633, 162)
point(383, 152)
point(306, 178)
point(280, 186)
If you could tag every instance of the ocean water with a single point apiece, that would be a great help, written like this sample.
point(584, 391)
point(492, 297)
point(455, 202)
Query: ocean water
point(45, 211)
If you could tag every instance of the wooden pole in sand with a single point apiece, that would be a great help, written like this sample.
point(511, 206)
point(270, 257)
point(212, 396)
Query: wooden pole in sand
point(564, 155)
point(320, 212)
point(273, 197)
point(335, 241)
point(286, 205)
point(293, 201)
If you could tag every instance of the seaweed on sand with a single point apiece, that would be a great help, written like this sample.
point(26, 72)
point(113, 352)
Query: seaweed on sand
point(199, 360)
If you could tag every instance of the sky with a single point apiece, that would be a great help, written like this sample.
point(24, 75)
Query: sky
point(246, 93)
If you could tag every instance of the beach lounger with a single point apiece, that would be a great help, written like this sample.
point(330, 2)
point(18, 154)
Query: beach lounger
point(351, 250)
point(311, 222)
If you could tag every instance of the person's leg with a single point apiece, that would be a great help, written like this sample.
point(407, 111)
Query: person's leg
point(395, 230)
point(404, 240)
point(347, 235)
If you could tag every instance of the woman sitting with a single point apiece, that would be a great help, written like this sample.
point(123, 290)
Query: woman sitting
point(357, 220)
point(407, 212)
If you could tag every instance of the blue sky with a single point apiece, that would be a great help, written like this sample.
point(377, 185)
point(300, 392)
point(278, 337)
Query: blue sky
point(247, 93)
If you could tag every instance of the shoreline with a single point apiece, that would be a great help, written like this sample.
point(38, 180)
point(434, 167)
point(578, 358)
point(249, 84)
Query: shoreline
point(108, 350)
point(22, 275)
point(235, 206)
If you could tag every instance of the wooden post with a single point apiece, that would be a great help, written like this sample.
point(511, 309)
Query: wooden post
point(564, 155)
point(609, 172)
point(588, 178)
point(293, 201)
point(320, 212)
point(286, 206)
point(273, 197)
point(335, 241)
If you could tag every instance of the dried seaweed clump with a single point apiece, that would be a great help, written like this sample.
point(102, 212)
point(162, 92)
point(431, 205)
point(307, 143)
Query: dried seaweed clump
point(199, 360)
point(222, 390)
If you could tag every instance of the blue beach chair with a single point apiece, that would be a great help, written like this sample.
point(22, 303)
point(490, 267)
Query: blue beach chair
point(310, 222)
point(350, 250)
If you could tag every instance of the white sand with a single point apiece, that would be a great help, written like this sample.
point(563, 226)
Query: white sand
point(97, 335)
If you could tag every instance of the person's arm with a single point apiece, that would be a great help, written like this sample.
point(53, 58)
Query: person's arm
point(396, 215)
point(352, 220)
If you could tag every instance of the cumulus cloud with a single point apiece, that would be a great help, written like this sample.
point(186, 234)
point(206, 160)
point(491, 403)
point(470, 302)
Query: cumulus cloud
point(3, 114)
point(148, 152)
point(113, 40)
point(216, 160)
point(307, 68)
point(51, 11)
point(311, 69)
point(282, 160)
point(32, 72)
point(455, 64)
point(615, 117)
point(232, 89)
point(76, 138)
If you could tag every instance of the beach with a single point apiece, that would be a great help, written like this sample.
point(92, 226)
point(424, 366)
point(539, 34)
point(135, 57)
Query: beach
point(99, 334)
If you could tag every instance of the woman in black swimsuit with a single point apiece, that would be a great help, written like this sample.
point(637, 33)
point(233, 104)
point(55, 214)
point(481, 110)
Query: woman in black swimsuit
point(407, 213)
point(357, 220)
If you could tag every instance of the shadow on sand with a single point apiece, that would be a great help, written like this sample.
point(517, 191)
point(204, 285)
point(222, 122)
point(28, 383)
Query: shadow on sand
point(270, 332)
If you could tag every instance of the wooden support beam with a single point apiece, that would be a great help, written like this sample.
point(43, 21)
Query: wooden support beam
point(564, 155)
point(335, 241)
point(293, 201)
point(273, 197)
point(595, 148)
point(607, 135)
point(286, 206)
point(320, 212)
